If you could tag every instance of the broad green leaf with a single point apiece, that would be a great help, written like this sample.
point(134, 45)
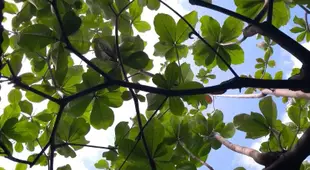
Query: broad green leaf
point(78, 106)
point(102, 164)
point(112, 99)
point(176, 105)
point(165, 27)
point(35, 37)
point(228, 131)
point(172, 74)
point(154, 135)
point(236, 54)
point(10, 8)
point(142, 26)
point(153, 4)
point(231, 30)
point(269, 109)
point(14, 96)
point(10, 111)
point(101, 117)
point(278, 75)
point(21, 131)
point(21, 166)
point(71, 23)
point(187, 73)
point(5, 41)
point(255, 125)
point(121, 130)
point(19, 147)
point(25, 106)
point(137, 60)
point(154, 101)
point(160, 81)
point(65, 167)
point(210, 28)
point(182, 29)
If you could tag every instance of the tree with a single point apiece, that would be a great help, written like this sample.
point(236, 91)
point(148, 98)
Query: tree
point(173, 133)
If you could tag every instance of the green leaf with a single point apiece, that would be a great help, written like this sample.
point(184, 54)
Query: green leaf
point(254, 125)
point(297, 30)
point(154, 101)
point(176, 105)
point(102, 164)
point(154, 135)
point(142, 26)
point(172, 74)
point(160, 81)
point(187, 73)
point(182, 29)
point(165, 27)
point(5, 42)
point(78, 106)
point(14, 96)
point(137, 60)
point(10, 8)
point(21, 131)
point(101, 117)
point(153, 4)
point(271, 63)
point(300, 21)
point(65, 167)
point(35, 37)
point(269, 109)
point(228, 131)
point(19, 147)
point(112, 99)
point(121, 130)
point(21, 166)
point(26, 107)
point(231, 30)
point(278, 75)
point(71, 23)
point(210, 28)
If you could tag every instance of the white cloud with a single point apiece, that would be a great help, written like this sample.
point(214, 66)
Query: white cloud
point(86, 157)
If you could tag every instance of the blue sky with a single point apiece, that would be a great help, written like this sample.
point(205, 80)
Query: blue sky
point(223, 159)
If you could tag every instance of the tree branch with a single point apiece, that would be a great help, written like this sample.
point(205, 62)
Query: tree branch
point(275, 92)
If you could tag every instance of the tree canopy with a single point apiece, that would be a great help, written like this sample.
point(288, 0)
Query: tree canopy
point(79, 60)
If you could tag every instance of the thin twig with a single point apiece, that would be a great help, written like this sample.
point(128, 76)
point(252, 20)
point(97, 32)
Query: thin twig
point(193, 156)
